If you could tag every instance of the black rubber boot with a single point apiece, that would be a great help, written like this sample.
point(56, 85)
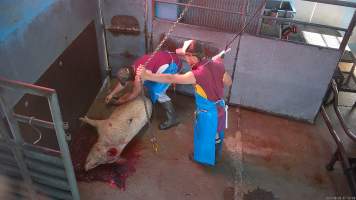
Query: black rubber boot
point(171, 116)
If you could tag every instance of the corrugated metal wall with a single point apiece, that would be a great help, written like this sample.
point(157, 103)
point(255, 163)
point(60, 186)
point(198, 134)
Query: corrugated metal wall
point(214, 17)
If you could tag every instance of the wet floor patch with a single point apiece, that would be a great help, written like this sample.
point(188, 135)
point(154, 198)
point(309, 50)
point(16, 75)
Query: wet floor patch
point(114, 174)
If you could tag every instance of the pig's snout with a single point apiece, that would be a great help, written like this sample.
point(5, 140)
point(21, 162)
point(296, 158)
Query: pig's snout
point(90, 165)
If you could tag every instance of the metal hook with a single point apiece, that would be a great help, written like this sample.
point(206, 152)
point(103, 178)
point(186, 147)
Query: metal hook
point(36, 129)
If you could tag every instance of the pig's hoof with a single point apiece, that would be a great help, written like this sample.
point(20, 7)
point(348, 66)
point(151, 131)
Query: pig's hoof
point(83, 119)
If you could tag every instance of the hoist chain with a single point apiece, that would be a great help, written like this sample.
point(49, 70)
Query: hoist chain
point(154, 140)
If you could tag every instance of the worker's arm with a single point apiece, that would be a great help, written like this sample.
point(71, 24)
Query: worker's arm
point(131, 95)
point(227, 79)
point(187, 78)
point(116, 90)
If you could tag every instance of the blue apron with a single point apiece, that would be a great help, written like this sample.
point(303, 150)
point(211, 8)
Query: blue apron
point(206, 125)
point(155, 88)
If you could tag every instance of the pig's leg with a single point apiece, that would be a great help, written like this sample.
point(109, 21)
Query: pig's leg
point(92, 122)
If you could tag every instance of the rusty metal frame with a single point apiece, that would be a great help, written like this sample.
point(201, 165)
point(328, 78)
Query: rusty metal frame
point(345, 127)
point(340, 154)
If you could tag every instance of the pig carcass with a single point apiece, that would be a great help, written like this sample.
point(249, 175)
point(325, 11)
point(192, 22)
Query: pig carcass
point(116, 131)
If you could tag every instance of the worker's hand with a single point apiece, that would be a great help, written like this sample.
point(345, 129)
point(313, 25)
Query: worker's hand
point(108, 98)
point(117, 102)
point(141, 72)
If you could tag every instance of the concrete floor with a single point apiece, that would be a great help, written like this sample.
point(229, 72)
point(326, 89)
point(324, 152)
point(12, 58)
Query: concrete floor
point(264, 157)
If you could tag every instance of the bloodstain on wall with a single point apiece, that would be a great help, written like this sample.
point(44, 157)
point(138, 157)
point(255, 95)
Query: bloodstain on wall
point(114, 174)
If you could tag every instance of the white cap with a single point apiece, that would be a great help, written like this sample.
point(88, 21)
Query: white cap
point(181, 51)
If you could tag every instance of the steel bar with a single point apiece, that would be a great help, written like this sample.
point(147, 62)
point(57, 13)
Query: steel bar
point(336, 138)
point(338, 114)
point(303, 23)
point(44, 168)
point(25, 87)
point(7, 157)
point(10, 170)
point(58, 124)
point(50, 181)
point(197, 6)
point(342, 156)
point(56, 161)
point(5, 147)
point(37, 122)
point(348, 33)
point(16, 150)
point(8, 160)
point(104, 42)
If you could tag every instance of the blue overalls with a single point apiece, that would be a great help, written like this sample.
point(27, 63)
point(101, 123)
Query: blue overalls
point(205, 129)
point(156, 88)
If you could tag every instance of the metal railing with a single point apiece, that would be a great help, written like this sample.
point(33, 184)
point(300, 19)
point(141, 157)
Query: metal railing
point(228, 16)
point(40, 170)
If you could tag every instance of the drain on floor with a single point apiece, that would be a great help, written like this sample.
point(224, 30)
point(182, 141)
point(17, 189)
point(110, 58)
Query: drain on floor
point(259, 194)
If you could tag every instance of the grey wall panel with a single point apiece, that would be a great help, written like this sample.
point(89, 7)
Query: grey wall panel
point(283, 78)
point(124, 49)
point(37, 33)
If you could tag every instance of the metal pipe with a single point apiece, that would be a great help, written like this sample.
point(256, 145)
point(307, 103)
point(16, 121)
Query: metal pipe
point(145, 26)
point(58, 124)
point(50, 159)
point(37, 122)
point(54, 193)
point(197, 6)
point(103, 36)
point(348, 33)
point(338, 114)
point(10, 170)
point(7, 157)
point(303, 23)
point(336, 138)
point(50, 181)
point(335, 2)
point(25, 87)
point(45, 168)
point(8, 160)
point(18, 154)
point(348, 171)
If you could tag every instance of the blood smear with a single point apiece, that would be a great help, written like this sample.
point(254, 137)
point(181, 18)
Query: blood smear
point(114, 174)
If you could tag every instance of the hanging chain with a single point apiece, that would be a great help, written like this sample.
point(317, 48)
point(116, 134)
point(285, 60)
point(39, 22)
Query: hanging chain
point(153, 138)
point(262, 5)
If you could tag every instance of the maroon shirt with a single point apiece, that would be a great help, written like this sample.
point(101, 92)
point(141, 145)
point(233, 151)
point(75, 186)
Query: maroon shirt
point(209, 75)
point(159, 59)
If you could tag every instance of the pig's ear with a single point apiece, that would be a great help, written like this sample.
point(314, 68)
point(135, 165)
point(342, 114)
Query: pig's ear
point(112, 152)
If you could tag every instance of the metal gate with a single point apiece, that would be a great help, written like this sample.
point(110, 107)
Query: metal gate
point(29, 171)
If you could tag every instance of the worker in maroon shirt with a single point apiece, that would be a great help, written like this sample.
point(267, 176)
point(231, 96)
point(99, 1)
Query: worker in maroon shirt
point(162, 62)
point(209, 78)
